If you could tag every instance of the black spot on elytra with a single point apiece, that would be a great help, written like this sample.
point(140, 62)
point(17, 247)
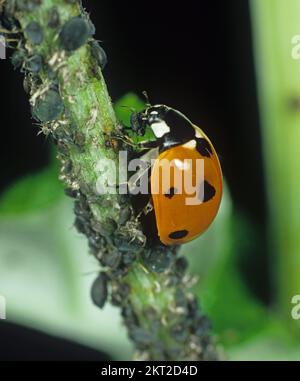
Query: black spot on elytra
point(204, 147)
point(178, 234)
point(209, 191)
point(171, 192)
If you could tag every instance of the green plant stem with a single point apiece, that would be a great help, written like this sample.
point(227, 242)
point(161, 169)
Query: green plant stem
point(275, 24)
point(148, 283)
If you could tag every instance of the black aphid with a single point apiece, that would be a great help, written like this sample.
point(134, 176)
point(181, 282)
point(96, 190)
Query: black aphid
point(125, 215)
point(129, 257)
point(95, 242)
point(140, 336)
point(99, 54)
point(80, 225)
point(179, 333)
point(99, 290)
point(73, 193)
point(111, 259)
point(49, 107)
point(74, 33)
point(202, 326)
point(181, 265)
point(158, 259)
point(17, 58)
point(34, 32)
point(54, 19)
point(34, 64)
point(28, 5)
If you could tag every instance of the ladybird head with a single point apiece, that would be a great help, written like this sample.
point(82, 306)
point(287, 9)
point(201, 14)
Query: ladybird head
point(156, 118)
point(155, 113)
point(152, 116)
point(138, 122)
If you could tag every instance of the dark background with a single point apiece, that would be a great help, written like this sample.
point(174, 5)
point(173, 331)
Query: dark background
point(195, 56)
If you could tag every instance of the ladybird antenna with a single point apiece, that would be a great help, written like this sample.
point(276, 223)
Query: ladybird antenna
point(132, 109)
point(145, 94)
point(90, 272)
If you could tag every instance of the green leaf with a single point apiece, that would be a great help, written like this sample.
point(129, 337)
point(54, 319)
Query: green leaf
point(237, 314)
point(124, 107)
point(274, 344)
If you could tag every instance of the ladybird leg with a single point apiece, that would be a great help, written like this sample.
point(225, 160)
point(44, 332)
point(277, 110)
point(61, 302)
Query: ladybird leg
point(148, 208)
point(148, 144)
point(141, 147)
point(145, 166)
point(123, 137)
point(143, 174)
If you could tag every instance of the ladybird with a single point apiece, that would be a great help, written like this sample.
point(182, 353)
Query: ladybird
point(181, 142)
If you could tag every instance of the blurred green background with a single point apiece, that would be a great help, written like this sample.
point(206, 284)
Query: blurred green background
point(46, 271)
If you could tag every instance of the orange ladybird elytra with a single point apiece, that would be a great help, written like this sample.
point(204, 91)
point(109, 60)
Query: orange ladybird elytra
point(180, 215)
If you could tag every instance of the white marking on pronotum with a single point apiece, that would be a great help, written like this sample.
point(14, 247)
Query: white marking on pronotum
point(191, 144)
point(160, 129)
